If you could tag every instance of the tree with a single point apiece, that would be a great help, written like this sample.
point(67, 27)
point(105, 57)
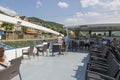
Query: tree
point(24, 29)
point(8, 26)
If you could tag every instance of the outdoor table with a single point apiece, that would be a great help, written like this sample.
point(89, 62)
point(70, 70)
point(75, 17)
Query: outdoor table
point(56, 48)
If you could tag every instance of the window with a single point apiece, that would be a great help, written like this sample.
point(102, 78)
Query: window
point(100, 34)
point(115, 33)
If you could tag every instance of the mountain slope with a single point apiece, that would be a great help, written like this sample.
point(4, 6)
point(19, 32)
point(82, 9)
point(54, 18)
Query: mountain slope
point(52, 25)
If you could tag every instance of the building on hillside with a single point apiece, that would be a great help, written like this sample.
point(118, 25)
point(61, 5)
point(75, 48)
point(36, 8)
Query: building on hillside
point(24, 18)
point(29, 30)
point(17, 17)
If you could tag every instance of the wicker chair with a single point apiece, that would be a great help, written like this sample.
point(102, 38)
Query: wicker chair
point(42, 49)
point(11, 71)
point(28, 51)
point(15, 69)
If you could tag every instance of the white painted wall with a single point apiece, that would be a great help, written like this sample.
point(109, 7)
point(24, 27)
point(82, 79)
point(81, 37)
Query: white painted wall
point(13, 53)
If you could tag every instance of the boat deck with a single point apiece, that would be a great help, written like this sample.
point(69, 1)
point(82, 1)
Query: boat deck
point(71, 66)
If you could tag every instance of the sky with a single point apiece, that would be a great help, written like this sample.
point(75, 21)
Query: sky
point(67, 12)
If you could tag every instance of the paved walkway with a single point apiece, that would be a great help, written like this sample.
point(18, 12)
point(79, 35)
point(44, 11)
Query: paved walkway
point(63, 67)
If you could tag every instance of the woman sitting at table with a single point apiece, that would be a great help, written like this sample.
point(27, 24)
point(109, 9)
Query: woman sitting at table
point(3, 61)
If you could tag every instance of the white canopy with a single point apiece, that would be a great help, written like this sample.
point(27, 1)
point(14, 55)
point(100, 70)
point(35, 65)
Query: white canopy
point(97, 27)
point(8, 11)
point(12, 20)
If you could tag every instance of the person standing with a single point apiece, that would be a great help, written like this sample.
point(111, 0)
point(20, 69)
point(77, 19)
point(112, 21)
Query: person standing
point(60, 39)
point(87, 43)
point(66, 39)
point(60, 42)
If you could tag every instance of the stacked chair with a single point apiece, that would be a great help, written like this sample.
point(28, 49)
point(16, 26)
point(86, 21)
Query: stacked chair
point(104, 63)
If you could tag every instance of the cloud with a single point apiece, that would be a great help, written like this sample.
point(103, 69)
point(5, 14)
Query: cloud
point(87, 14)
point(8, 11)
point(72, 21)
point(86, 3)
point(63, 5)
point(111, 4)
point(80, 18)
point(38, 4)
point(108, 12)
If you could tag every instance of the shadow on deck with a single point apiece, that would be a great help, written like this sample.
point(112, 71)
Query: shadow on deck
point(81, 70)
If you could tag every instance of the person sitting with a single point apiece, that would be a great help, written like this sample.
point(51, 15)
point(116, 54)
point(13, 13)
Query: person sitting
point(4, 63)
point(44, 42)
point(104, 41)
point(42, 47)
point(96, 42)
point(114, 41)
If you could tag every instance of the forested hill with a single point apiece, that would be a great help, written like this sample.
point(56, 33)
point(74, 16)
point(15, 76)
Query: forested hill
point(52, 25)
